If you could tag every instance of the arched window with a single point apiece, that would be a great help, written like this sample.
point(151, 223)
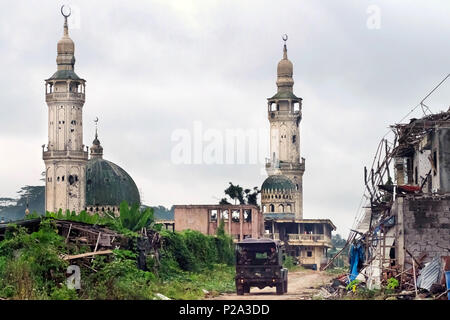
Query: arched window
point(289, 208)
point(281, 208)
point(264, 209)
point(272, 208)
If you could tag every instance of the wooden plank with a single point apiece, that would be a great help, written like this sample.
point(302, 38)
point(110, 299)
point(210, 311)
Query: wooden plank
point(98, 239)
point(77, 256)
point(414, 272)
point(68, 233)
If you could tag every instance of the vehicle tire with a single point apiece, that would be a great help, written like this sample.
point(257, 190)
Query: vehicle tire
point(280, 288)
point(285, 286)
point(246, 289)
point(239, 290)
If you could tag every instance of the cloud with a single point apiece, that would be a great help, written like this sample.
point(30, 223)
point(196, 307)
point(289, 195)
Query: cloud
point(157, 66)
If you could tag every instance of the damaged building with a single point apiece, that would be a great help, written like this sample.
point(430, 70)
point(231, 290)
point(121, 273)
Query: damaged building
point(240, 221)
point(405, 230)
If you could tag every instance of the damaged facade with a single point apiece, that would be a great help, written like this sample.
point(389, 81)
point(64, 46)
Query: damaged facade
point(240, 221)
point(406, 226)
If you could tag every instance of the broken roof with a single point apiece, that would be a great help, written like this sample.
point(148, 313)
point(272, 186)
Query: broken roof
point(410, 134)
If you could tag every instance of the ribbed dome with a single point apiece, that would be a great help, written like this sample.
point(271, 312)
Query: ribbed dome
point(278, 182)
point(109, 184)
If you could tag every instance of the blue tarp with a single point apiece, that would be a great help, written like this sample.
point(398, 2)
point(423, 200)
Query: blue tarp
point(356, 259)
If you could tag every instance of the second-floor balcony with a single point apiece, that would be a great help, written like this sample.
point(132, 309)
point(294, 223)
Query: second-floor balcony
point(308, 238)
point(301, 239)
point(275, 236)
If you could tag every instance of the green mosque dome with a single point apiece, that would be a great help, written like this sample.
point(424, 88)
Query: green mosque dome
point(278, 182)
point(107, 184)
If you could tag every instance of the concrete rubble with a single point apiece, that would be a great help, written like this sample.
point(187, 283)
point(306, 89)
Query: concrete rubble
point(401, 240)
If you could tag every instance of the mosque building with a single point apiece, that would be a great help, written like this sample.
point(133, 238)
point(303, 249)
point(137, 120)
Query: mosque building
point(282, 191)
point(78, 180)
point(73, 181)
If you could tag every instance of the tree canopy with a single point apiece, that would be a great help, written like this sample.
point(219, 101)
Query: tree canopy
point(244, 196)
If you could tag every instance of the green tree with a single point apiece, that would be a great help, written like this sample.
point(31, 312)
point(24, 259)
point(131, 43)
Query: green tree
point(337, 241)
point(14, 209)
point(224, 201)
point(236, 193)
point(133, 219)
point(252, 196)
point(244, 196)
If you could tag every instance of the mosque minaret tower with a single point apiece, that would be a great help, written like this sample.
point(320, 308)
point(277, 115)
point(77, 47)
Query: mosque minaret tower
point(65, 155)
point(282, 190)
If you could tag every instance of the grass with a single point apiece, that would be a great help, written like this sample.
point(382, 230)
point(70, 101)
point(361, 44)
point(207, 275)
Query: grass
point(190, 285)
point(336, 271)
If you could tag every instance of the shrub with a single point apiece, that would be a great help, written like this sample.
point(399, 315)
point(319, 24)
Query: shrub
point(392, 284)
point(289, 262)
point(117, 279)
point(202, 247)
point(19, 281)
point(64, 293)
point(175, 246)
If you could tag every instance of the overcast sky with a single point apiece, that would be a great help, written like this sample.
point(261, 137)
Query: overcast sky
point(154, 67)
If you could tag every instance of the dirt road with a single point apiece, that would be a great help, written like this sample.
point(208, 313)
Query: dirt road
point(302, 285)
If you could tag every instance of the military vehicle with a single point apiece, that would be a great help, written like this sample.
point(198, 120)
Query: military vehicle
point(259, 264)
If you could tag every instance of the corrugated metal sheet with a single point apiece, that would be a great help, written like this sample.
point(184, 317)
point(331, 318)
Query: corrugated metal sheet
point(429, 274)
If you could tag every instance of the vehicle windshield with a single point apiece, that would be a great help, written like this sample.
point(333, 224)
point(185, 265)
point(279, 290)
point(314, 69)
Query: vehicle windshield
point(256, 255)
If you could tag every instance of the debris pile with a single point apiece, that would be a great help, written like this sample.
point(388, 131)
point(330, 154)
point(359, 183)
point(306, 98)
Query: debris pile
point(421, 281)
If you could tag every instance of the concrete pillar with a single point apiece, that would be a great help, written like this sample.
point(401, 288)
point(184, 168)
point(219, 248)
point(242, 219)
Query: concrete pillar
point(229, 221)
point(400, 247)
point(241, 222)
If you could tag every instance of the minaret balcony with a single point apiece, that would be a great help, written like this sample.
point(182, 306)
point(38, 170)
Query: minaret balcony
point(284, 115)
point(65, 96)
point(285, 165)
point(65, 154)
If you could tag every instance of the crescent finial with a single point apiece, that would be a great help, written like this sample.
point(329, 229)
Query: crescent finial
point(285, 37)
point(96, 127)
point(62, 11)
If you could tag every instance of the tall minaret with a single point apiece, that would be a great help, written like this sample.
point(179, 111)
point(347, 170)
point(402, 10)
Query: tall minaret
point(65, 158)
point(284, 112)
